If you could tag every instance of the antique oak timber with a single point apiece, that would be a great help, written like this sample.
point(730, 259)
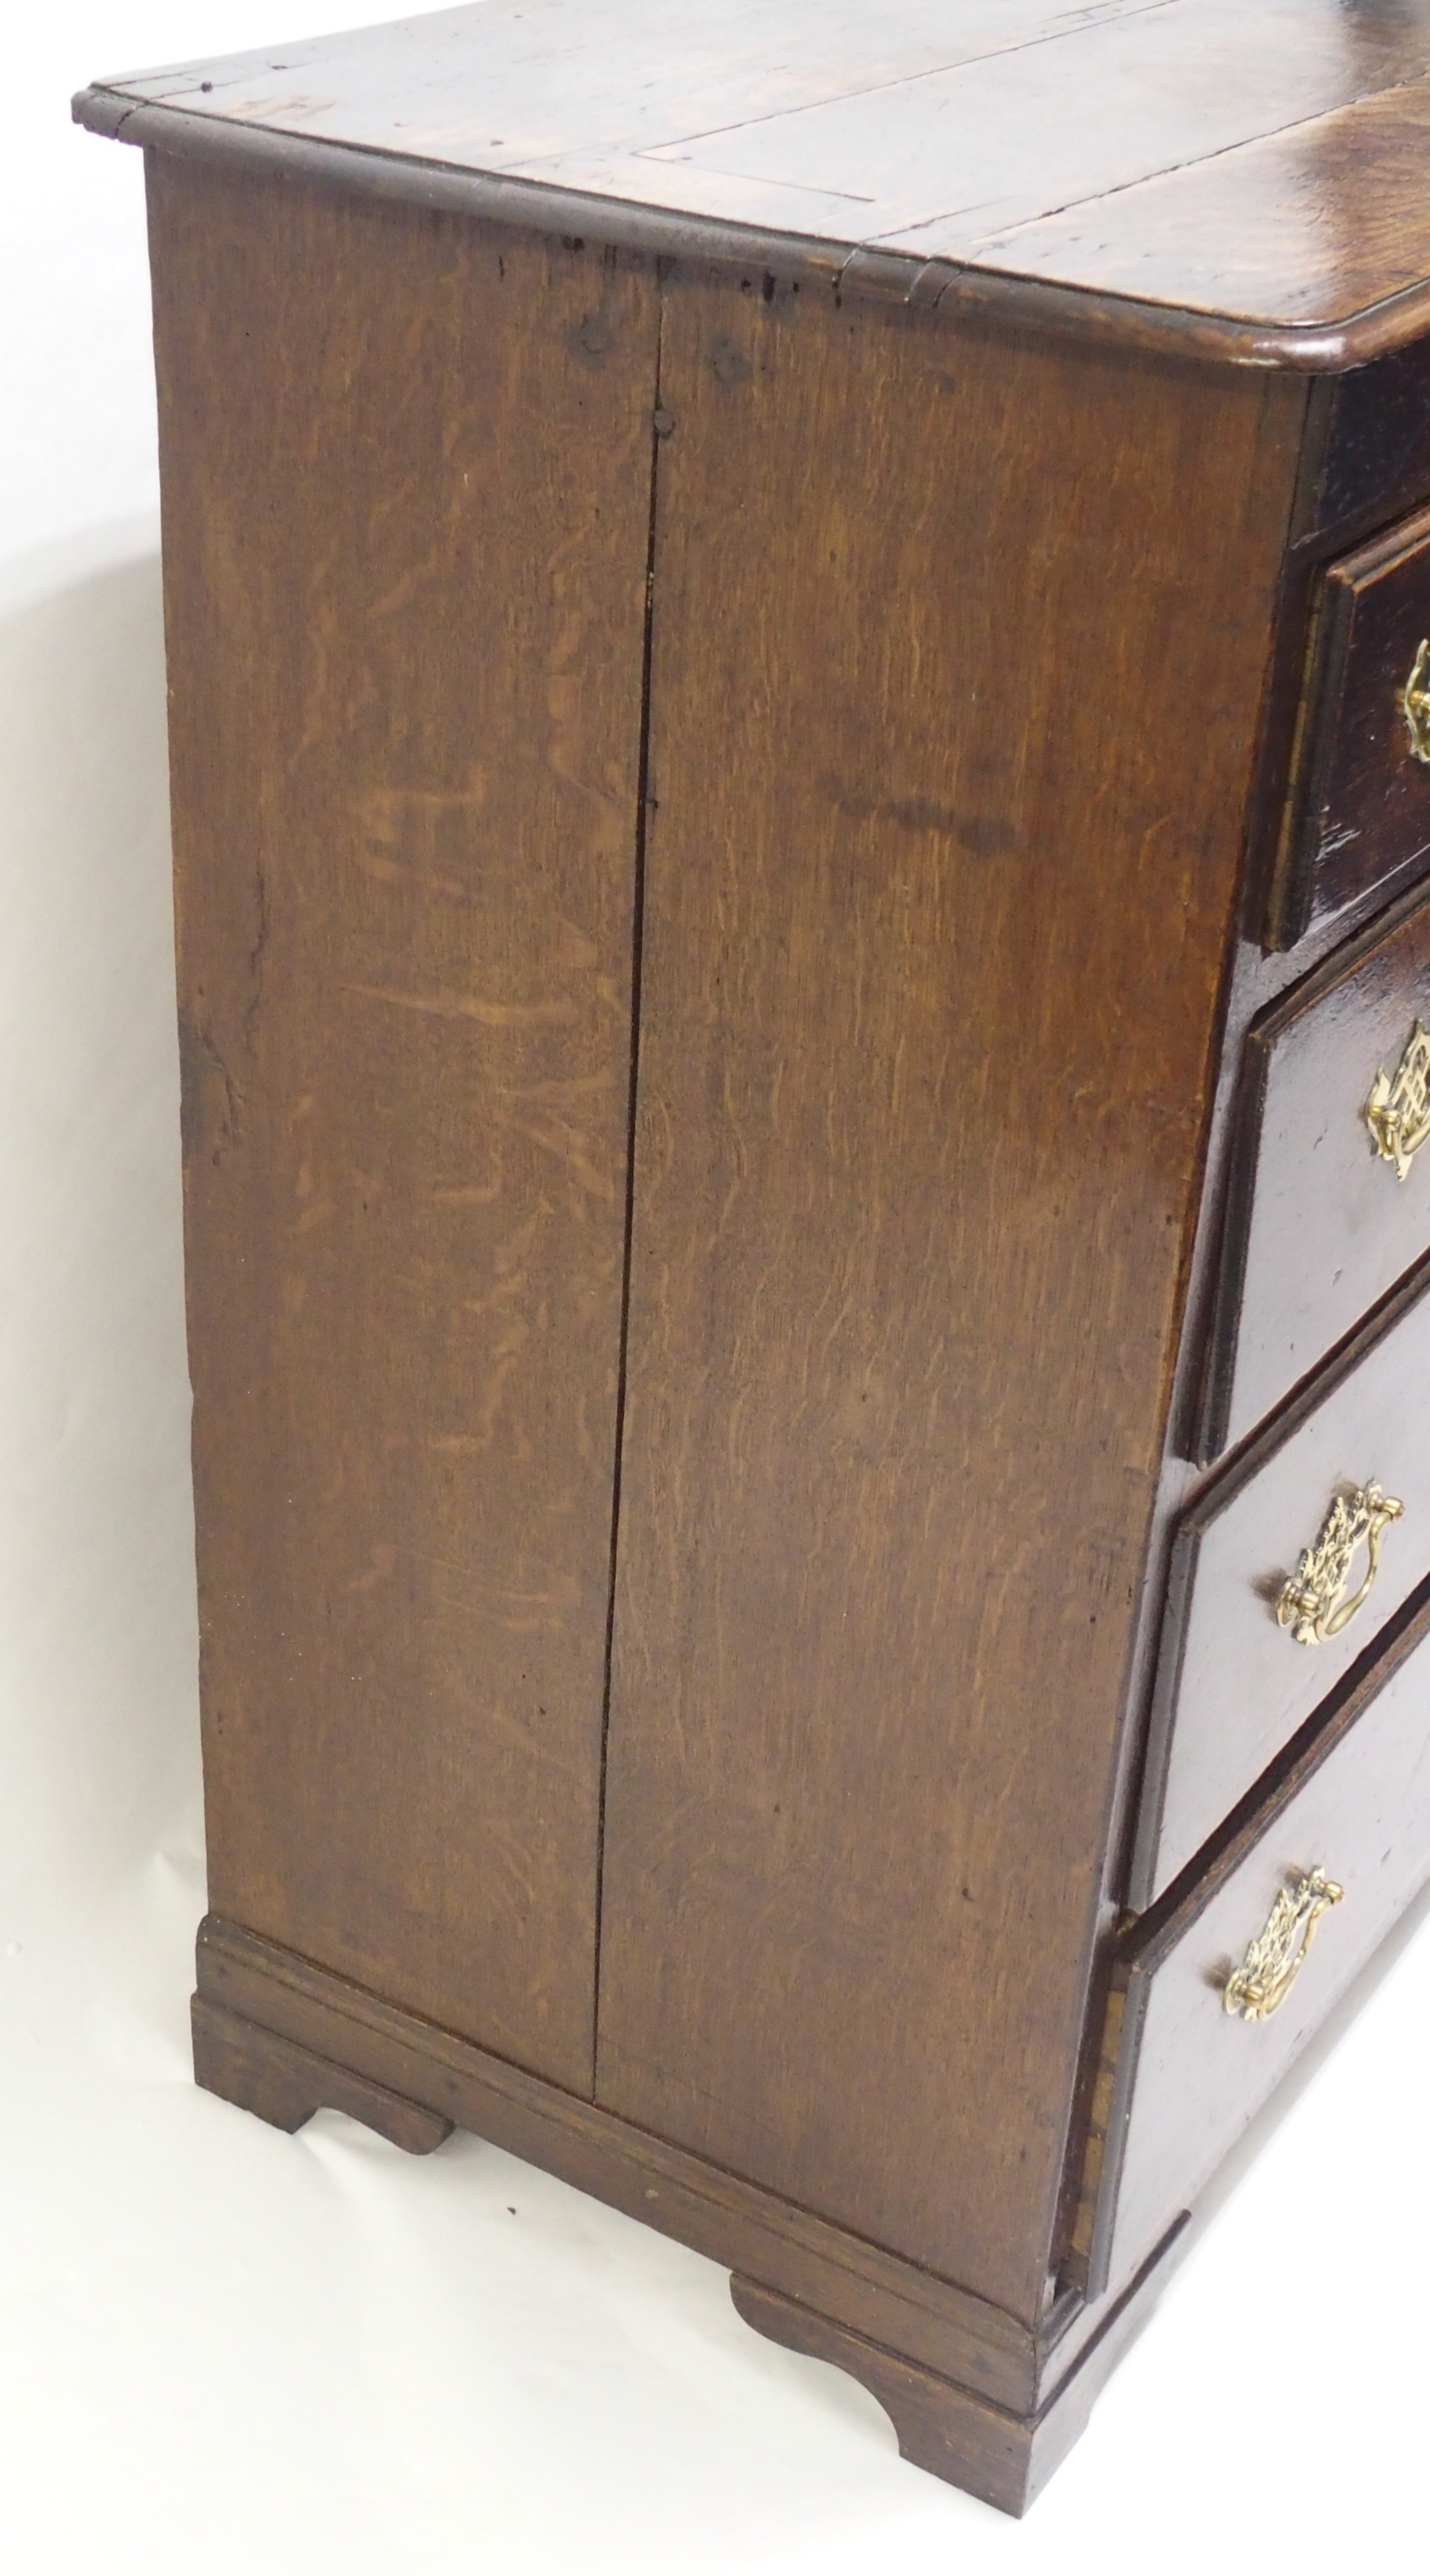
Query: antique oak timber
point(800, 705)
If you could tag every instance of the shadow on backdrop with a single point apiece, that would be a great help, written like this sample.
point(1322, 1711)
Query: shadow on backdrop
point(98, 1740)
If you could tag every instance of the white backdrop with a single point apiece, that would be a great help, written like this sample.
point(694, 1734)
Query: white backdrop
point(228, 2353)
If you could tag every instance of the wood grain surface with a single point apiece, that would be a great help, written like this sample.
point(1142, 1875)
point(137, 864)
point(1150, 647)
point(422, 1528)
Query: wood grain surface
point(932, 953)
point(406, 506)
point(1319, 1227)
point(1233, 1686)
point(1314, 218)
point(1356, 1804)
point(1262, 164)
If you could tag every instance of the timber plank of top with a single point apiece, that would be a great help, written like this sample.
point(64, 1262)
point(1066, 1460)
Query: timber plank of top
point(1244, 180)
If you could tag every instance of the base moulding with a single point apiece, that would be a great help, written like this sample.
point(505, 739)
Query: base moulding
point(974, 2395)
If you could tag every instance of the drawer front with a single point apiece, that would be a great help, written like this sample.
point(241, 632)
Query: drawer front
point(1363, 811)
point(1204, 2033)
point(1240, 1666)
point(1329, 1199)
point(1373, 460)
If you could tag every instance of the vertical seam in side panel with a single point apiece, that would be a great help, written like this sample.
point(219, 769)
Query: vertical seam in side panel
point(637, 943)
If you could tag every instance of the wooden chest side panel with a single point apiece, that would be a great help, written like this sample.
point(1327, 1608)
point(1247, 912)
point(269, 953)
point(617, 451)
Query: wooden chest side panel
point(407, 487)
point(958, 652)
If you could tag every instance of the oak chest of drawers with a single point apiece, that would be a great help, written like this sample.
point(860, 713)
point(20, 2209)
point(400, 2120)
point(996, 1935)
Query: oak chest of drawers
point(800, 715)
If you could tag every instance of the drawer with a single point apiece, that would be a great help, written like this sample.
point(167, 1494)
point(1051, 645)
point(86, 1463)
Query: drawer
point(1238, 1671)
point(1327, 1204)
point(1199, 2033)
point(1362, 809)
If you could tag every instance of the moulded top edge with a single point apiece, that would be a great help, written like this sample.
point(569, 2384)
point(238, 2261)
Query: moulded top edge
point(1283, 223)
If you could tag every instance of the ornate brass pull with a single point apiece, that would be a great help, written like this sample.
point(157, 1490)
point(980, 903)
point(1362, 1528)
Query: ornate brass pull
point(1414, 701)
point(1309, 1602)
point(1273, 1961)
point(1398, 1110)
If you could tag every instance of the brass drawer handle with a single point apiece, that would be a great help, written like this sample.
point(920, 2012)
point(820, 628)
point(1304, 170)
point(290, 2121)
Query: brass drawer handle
point(1414, 701)
point(1398, 1110)
point(1273, 1961)
point(1309, 1602)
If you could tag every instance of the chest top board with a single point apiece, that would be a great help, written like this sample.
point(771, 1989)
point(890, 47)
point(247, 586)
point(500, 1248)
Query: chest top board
point(1248, 174)
point(799, 698)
